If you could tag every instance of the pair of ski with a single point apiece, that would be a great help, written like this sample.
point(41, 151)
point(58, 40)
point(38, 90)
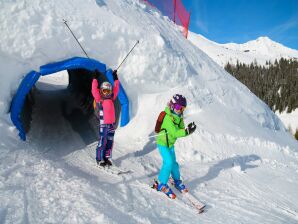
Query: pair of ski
point(114, 170)
point(187, 197)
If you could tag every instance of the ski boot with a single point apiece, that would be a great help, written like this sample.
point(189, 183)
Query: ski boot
point(180, 186)
point(165, 189)
point(106, 162)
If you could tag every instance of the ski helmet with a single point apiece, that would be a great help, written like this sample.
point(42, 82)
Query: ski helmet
point(178, 102)
point(106, 89)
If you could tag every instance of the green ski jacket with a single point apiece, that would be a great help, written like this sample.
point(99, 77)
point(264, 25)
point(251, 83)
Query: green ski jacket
point(172, 128)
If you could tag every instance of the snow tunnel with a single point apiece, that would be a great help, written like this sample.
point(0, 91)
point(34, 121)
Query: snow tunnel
point(80, 78)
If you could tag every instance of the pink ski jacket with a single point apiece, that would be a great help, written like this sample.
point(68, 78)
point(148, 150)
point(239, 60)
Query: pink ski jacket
point(107, 104)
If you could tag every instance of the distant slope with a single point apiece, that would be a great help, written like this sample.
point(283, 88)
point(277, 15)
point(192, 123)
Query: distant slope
point(260, 50)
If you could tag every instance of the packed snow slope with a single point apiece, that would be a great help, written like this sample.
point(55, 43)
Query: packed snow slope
point(260, 50)
point(240, 162)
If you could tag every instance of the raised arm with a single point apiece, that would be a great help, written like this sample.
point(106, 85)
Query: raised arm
point(116, 89)
point(95, 91)
point(116, 85)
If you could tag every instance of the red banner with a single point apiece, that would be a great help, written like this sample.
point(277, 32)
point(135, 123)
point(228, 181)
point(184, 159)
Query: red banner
point(175, 10)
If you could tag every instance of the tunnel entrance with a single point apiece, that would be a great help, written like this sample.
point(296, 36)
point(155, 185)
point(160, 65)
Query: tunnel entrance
point(72, 102)
point(59, 123)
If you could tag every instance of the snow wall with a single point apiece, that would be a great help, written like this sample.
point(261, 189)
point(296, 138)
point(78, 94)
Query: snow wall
point(69, 64)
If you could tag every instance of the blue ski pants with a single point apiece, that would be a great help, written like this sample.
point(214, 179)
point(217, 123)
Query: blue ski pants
point(169, 165)
point(105, 142)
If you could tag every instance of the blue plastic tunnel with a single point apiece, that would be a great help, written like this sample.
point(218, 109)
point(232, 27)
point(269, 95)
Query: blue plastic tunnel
point(73, 63)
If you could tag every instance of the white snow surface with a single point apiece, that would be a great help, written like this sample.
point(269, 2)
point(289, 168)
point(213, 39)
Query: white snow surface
point(289, 119)
point(240, 161)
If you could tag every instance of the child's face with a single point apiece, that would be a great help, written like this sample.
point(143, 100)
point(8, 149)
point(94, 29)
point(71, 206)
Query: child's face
point(178, 109)
point(178, 112)
point(106, 93)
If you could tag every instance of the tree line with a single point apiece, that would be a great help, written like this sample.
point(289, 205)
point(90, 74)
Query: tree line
point(274, 83)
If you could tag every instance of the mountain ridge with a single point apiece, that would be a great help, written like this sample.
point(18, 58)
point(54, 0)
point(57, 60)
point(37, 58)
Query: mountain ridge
point(260, 50)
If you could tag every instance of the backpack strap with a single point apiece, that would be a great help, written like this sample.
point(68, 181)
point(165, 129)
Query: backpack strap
point(159, 121)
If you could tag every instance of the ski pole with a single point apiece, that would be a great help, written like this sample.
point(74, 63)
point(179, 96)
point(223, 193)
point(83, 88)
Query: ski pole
point(128, 54)
point(65, 22)
point(151, 136)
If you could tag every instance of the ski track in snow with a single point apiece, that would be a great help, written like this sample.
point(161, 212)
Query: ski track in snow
point(71, 189)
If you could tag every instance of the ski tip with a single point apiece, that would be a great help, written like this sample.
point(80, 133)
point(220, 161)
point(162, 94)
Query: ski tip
point(201, 211)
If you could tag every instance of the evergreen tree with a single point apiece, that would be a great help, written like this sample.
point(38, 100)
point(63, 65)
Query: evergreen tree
point(276, 84)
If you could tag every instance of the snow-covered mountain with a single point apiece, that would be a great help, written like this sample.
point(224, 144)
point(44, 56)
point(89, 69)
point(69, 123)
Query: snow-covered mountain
point(260, 50)
point(241, 161)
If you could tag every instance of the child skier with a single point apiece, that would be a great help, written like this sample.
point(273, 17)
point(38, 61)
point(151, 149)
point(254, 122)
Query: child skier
point(172, 127)
point(104, 98)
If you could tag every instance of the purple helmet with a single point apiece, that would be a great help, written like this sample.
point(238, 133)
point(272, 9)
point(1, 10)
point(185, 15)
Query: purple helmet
point(178, 102)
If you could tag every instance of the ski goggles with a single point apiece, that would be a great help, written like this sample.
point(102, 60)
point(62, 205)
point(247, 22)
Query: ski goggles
point(106, 92)
point(179, 107)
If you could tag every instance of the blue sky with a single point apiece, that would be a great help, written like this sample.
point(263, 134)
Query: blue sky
point(242, 20)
